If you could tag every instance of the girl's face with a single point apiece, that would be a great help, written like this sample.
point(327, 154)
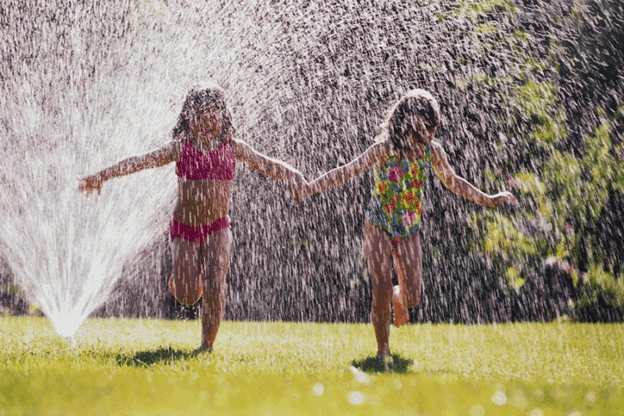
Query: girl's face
point(206, 124)
point(418, 144)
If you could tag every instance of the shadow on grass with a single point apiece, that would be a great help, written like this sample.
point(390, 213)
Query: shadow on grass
point(372, 364)
point(153, 357)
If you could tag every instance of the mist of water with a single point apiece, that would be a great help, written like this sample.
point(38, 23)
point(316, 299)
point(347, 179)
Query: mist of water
point(87, 84)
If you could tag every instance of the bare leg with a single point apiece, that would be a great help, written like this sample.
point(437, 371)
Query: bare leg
point(410, 254)
point(185, 284)
point(377, 247)
point(216, 262)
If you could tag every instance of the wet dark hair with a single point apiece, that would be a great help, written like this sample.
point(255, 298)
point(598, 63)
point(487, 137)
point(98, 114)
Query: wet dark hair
point(202, 98)
point(416, 112)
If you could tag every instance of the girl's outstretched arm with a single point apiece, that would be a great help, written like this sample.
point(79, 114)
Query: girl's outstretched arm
point(462, 187)
point(377, 153)
point(273, 168)
point(154, 159)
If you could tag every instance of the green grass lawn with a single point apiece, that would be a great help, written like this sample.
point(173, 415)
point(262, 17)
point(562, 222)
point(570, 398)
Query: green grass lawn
point(151, 367)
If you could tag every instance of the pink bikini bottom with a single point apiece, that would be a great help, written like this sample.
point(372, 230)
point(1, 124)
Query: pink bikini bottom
point(197, 233)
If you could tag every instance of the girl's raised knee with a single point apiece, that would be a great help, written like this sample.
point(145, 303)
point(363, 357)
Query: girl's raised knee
point(184, 294)
point(412, 297)
point(412, 301)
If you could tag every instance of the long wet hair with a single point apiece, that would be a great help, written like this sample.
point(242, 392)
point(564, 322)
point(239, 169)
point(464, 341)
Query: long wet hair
point(202, 98)
point(417, 111)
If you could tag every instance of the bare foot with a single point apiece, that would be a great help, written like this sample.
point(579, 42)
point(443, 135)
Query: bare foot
point(401, 314)
point(204, 348)
point(386, 361)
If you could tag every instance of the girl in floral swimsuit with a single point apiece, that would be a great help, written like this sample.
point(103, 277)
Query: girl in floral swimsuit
point(205, 153)
point(403, 156)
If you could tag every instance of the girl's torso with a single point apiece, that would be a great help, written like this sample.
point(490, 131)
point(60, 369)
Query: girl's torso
point(397, 197)
point(204, 183)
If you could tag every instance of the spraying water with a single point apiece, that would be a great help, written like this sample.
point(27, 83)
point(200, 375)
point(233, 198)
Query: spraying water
point(87, 84)
point(64, 113)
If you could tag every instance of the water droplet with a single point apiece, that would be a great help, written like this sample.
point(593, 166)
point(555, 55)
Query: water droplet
point(318, 389)
point(590, 398)
point(360, 376)
point(538, 394)
point(476, 410)
point(499, 398)
point(355, 397)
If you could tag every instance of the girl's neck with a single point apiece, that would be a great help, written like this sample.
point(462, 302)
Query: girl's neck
point(411, 154)
point(204, 147)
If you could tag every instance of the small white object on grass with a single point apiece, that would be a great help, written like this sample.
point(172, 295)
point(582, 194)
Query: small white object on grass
point(72, 340)
point(360, 376)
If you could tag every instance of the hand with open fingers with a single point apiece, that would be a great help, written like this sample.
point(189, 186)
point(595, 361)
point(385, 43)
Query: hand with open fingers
point(90, 183)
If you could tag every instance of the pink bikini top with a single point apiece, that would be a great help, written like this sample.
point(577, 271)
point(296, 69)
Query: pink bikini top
point(219, 164)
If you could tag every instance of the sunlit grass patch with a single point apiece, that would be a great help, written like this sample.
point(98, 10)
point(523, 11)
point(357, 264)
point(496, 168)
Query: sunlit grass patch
point(153, 366)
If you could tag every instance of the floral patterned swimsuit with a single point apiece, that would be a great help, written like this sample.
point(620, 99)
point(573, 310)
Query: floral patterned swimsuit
point(396, 204)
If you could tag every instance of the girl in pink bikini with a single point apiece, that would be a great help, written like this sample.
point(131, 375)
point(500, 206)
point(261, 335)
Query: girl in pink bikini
point(403, 158)
point(205, 153)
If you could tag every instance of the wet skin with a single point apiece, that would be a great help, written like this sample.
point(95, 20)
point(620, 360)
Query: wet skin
point(199, 268)
point(378, 247)
point(203, 201)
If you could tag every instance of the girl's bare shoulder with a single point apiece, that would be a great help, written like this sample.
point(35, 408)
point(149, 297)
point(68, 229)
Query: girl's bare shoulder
point(435, 145)
point(437, 150)
point(170, 151)
point(240, 144)
point(377, 153)
point(175, 146)
point(380, 149)
point(242, 149)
